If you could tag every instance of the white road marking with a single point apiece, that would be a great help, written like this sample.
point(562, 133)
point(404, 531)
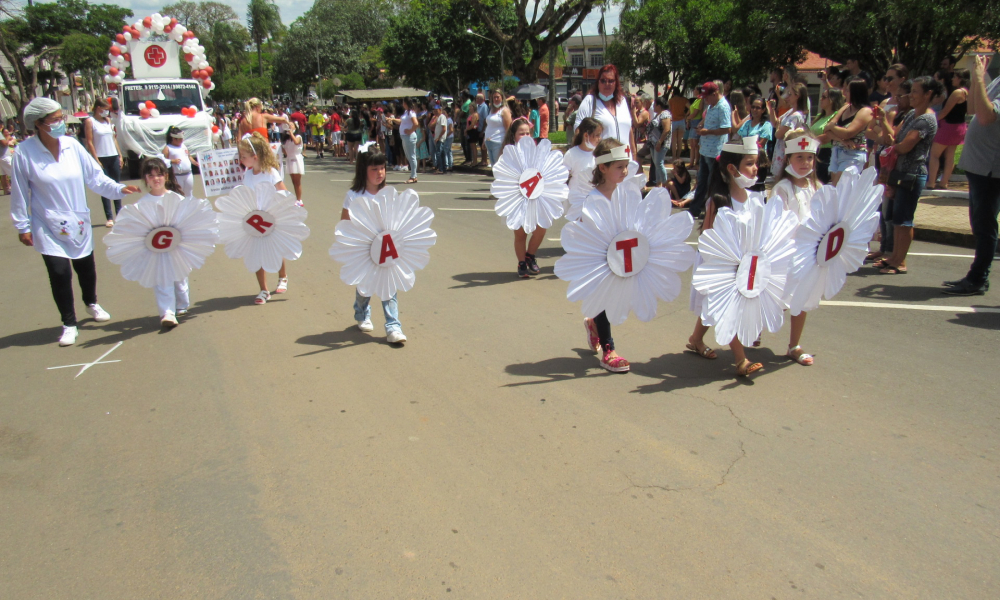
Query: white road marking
point(426, 181)
point(469, 209)
point(472, 194)
point(952, 309)
point(96, 362)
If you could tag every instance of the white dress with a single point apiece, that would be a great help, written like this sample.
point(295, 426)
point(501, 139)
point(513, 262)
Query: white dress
point(794, 198)
point(618, 125)
point(294, 163)
point(182, 171)
point(697, 301)
point(271, 176)
point(580, 163)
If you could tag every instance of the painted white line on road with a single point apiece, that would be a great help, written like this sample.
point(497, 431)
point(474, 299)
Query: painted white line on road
point(472, 194)
point(952, 309)
point(96, 362)
point(426, 181)
point(468, 209)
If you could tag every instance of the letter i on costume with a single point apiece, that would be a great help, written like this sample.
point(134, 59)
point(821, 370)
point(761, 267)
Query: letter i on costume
point(171, 300)
point(611, 160)
point(735, 171)
point(262, 166)
point(369, 179)
point(180, 160)
point(795, 186)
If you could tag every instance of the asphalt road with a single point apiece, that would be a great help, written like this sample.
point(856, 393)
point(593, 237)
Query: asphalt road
point(277, 452)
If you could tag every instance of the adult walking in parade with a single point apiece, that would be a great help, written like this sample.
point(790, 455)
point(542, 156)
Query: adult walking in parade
point(981, 162)
point(606, 102)
point(102, 143)
point(50, 172)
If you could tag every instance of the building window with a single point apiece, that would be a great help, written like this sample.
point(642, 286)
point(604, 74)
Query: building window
point(577, 60)
point(597, 60)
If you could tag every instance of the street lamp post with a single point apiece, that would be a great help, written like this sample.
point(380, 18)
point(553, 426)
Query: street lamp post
point(501, 46)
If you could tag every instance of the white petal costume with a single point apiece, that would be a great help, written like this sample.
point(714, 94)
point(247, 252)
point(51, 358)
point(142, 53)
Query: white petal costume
point(385, 241)
point(745, 259)
point(625, 254)
point(261, 225)
point(530, 185)
point(158, 241)
point(833, 241)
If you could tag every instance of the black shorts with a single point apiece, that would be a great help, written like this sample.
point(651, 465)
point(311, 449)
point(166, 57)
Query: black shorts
point(354, 138)
point(473, 135)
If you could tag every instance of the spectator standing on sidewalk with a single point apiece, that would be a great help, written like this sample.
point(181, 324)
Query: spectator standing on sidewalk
point(543, 118)
point(714, 132)
point(981, 162)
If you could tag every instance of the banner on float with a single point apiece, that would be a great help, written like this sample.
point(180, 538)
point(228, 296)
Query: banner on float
point(221, 170)
point(155, 59)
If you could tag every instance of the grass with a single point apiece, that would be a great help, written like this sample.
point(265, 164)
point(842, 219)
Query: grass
point(557, 137)
point(958, 156)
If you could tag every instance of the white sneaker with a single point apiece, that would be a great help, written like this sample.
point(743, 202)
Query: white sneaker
point(169, 320)
point(181, 312)
point(366, 325)
point(395, 337)
point(282, 286)
point(100, 315)
point(68, 337)
point(262, 297)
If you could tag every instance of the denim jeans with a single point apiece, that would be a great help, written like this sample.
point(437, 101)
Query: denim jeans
point(443, 149)
point(449, 156)
point(705, 167)
point(410, 149)
point(390, 307)
point(432, 151)
point(112, 168)
point(658, 157)
point(984, 206)
point(885, 227)
point(493, 149)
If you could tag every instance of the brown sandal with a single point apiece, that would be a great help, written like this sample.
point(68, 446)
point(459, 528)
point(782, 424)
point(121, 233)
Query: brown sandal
point(745, 368)
point(705, 352)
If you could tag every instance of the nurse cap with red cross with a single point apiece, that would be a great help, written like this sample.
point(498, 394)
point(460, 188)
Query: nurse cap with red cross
point(801, 142)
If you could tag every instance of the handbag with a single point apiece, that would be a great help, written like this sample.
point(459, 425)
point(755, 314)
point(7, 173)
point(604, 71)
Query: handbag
point(903, 181)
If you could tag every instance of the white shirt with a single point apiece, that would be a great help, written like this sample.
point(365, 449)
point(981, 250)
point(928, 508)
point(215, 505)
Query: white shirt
point(250, 179)
point(351, 195)
point(494, 127)
point(54, 191)
point(181, 153)
point(440, 128)
point(292, 150)
point(618, 125)
point(104, 138)
point(796, 199)
point(580, 163)
point(406, 122)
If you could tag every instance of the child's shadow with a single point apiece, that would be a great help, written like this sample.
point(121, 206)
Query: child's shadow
point(335, 340)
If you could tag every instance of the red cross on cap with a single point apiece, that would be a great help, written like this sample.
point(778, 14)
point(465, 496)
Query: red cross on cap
point(803, 143)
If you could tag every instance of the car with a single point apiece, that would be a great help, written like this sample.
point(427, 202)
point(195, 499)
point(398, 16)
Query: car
point(563, 103)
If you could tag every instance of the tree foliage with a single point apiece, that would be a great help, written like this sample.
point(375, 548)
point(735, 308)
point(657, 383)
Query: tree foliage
point(264, 23)
point(201, 16)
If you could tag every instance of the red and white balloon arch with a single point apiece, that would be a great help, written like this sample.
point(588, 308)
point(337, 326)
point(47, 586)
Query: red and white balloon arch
point(156, 24)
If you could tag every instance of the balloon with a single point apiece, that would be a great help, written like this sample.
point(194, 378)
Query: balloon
point(188, 35)
point(120, 38)
point(215, 129)
point(173, 21)
point(118, 78)
point(144, 113)
point(207, 83)
point(213, 87)
point(203, 65)
point(107, 68)
point(113, 71)
point(128, 36)
point(108, 79)
point(188, 57)
point(150, 105)
point(154, 113)
point(112, 87)
point(127, 57)
point(201, 49)
point(115, 51)
point(209, 71)
point(168, 28)
point(147, 22)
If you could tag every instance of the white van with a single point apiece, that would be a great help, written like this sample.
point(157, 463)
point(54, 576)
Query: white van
point(140, 137)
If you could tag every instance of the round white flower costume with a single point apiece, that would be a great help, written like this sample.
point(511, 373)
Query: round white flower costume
point(530, 185)
point(261, 225)
point(833, 241)
point(625, 254)
point(745, 257)
point(385, 241)
point(158, 241)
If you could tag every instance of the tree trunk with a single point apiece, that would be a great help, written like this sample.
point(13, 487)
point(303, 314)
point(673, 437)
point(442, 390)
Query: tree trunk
point(260, 61)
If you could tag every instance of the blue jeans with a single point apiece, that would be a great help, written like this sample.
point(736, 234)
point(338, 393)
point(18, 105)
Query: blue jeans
point(493, 149)
point(658, 157)
point(904, 203)
point(885, 227)
point(410, 149)
point(705, 167)
point(984, 206)
point(449, 155)
point(432, 150)
point(362, 311)
point(443, 150)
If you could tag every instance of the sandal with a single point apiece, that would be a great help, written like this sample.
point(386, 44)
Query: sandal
point(892, 270)
point(881, 263)
point(705, 352)
point(262, 297)
point(802, 358)
point(282, 286)
point(412, 180)
point(614, 364)
point(593, 340)
point(745, 368)
point(874, 255)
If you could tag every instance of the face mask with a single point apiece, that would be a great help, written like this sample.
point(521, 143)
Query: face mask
point(497, 104)
point(100, 114)
point(791, 171)
point(744, 182)
point(604, 97)
point(58, 130)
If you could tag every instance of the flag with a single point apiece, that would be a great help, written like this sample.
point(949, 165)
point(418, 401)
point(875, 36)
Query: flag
point(155, 59)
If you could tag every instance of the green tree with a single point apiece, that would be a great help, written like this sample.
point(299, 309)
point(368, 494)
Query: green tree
point(264, 23)
point(201, 16)
point(240, 86)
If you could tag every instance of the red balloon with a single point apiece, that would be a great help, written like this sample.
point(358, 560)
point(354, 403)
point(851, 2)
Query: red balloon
point(120, 38)
point(215, 129)
point(115, 51)
point(168, 28)
point(126, 28)
point(188, 57)
point(144, 113)
point(147, 22)
point(127, 57)
point(113, 71)
point(208, 71)
point(188, 34)
point(173, 21)
point(150, 105)
point(112, 87)
point(207, 83)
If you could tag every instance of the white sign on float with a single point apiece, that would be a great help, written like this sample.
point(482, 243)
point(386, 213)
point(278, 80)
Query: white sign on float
point(151, 60)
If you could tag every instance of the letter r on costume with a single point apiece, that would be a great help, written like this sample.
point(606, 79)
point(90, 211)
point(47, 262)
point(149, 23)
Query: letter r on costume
point(388, 249)
point(258, 223)
point(626, 247)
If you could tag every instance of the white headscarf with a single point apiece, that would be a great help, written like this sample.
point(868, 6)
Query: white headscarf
point(39, 108)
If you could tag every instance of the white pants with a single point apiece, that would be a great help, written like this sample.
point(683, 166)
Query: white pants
point(186, 181)
point(172, 297)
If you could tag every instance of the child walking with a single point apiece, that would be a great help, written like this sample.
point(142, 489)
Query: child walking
point(580, 161)
point(262, 166)
point(180, 160)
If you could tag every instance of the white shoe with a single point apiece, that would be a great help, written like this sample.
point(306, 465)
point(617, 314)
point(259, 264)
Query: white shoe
point(168, 320)
point(282, 286)
point(395, 337)
point(262, 297)
point(366, 325)
point(100, 315)
point(68, 337)
point(181, 312)
point(299, 203)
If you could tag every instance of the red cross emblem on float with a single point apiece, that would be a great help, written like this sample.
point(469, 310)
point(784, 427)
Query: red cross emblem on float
point(155, 56)
point(803, 143)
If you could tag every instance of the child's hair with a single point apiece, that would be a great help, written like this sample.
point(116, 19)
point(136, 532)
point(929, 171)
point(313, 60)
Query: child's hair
point(156, 164)
point(508, 140)
point(718, 183)
point(373, 157)
point(680, 168)
point(794, 133)
point(588, 126)
point(173, 130)
point(257, 145)
point(603, 148)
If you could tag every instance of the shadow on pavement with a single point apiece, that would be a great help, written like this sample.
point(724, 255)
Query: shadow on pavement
point(899, 292)
point(38, 337)
point(550, 252)
point(335, 340)
point(120, 330)
point(556, 369)
point(977, 320)
point(685, 369)
point(472, 280)
point(202, 307)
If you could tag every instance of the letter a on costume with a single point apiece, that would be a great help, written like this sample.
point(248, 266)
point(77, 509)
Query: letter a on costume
point(529, 185)
point(834, 243)
point(258, 223)
point(626, 247)
point(388, 249)
point(162, 240)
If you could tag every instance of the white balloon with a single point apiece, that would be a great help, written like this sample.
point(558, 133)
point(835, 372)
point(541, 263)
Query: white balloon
point(180, 29)
point(156, 16)
point(212, 87)
point(109, 79)
point(154, 112)
point(125, 63)
point(203, 64)
point(128, 36)
point(201, 49)
point(107, 68)
point(157, 27)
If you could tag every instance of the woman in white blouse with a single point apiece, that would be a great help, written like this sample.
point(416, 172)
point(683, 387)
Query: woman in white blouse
point(606, 102)
point(50, 172)
point(102, 143)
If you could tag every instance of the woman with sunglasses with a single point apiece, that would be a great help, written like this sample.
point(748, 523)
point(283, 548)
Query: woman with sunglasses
point(51, 171)
point(607, 103)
